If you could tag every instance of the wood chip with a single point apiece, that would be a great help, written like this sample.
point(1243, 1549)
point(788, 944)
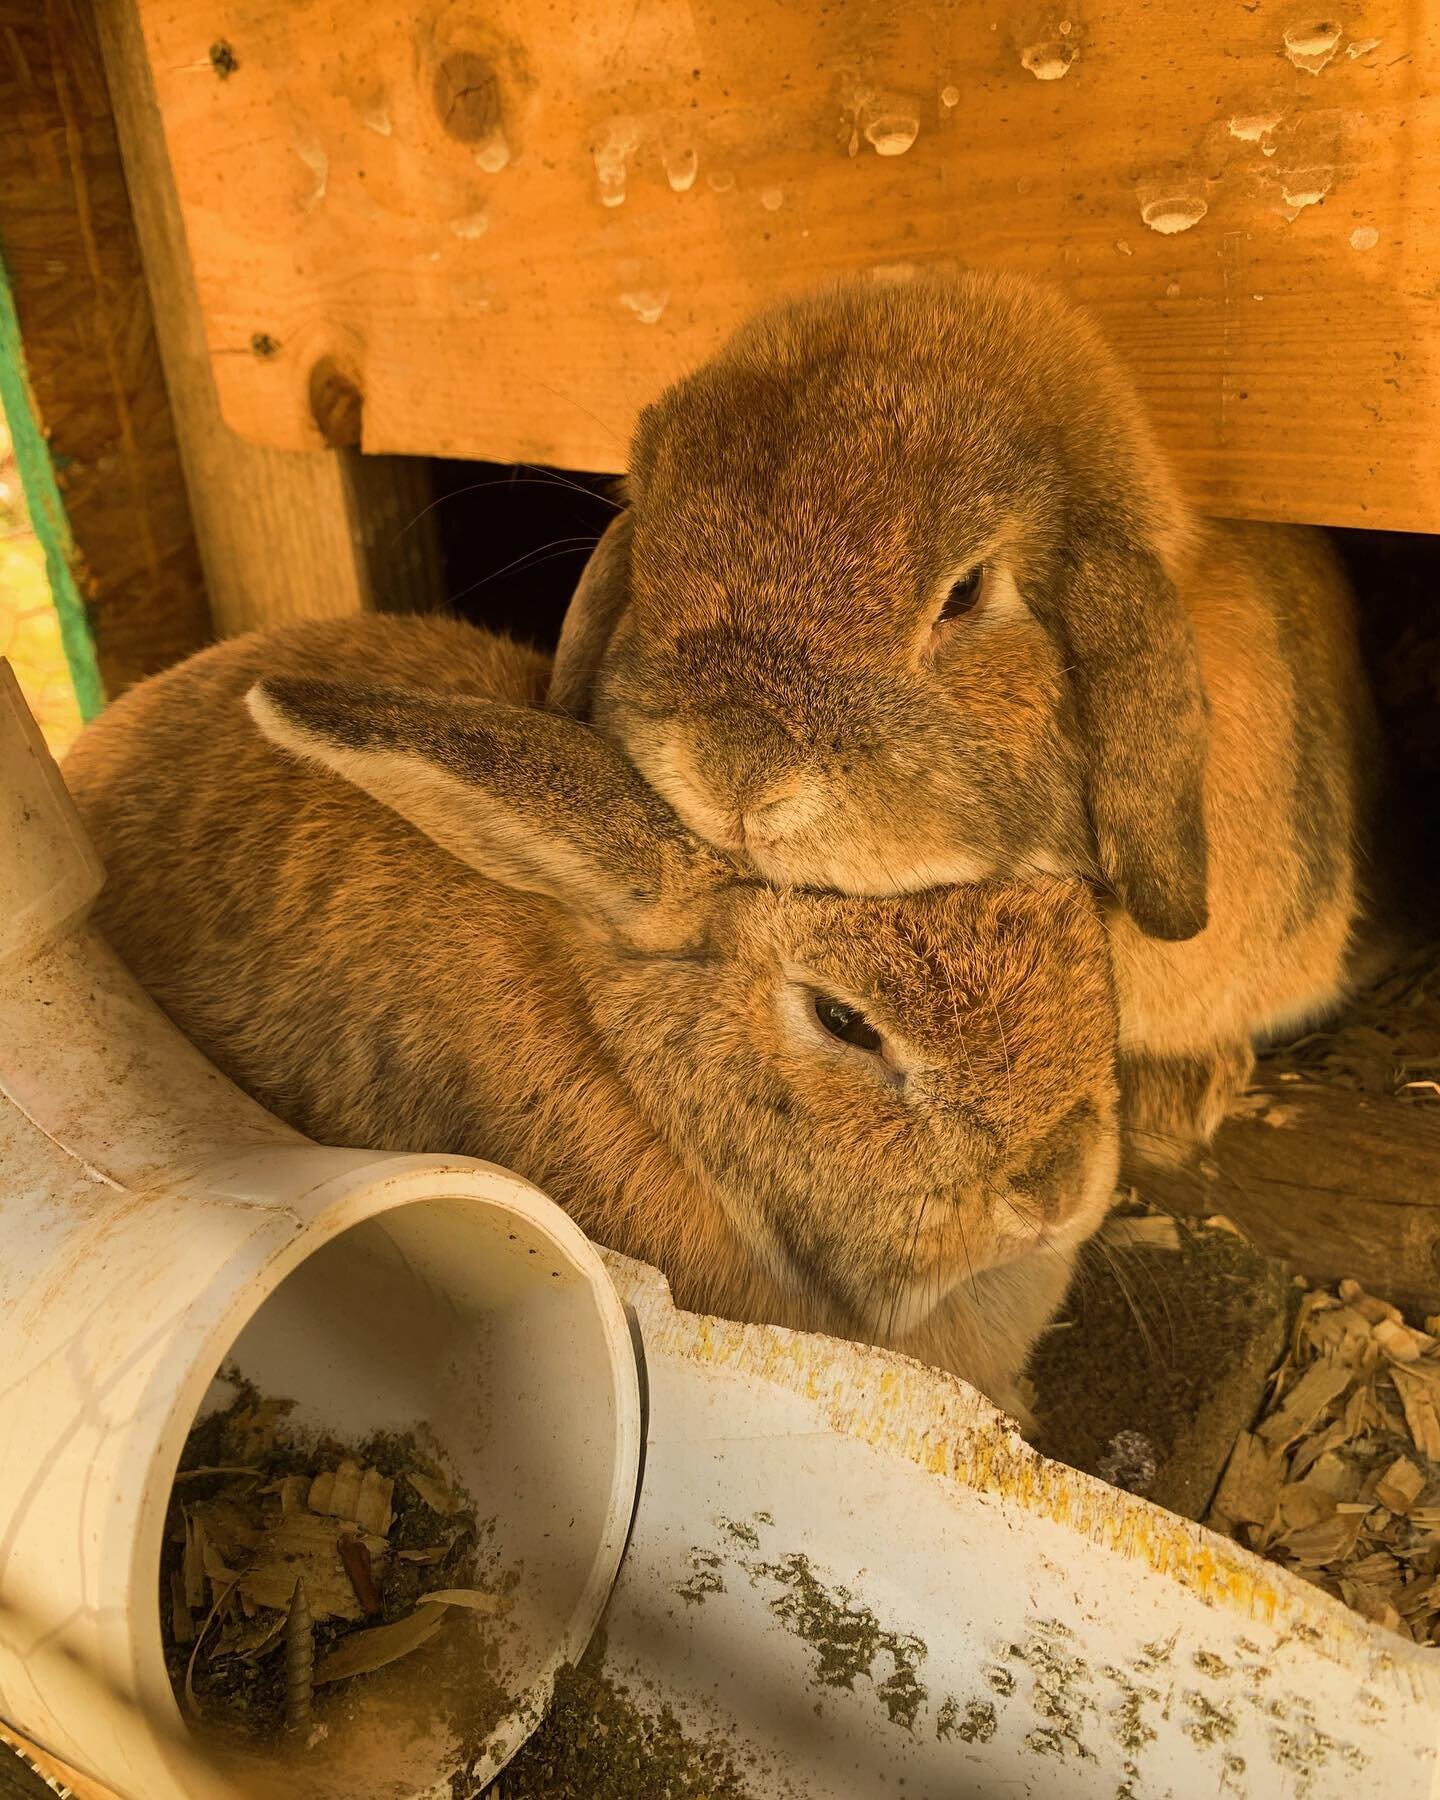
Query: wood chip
point(476, 1599)
point(1337, 1332)
point(362, 1652)
point(1419, 1597)
point(193, 1567)
point(1398, 1342)
point(227, 1527)
point(1418, 1397)
point(1332, 1473)
point(293, 1491)
point(1347, 1496)
point(305, 1546)
point(182, 1626)
point(1316, 1447)
point(356, 1559)
point(1359, 1409)
point(1303, 1503)
point(1322, 1383)
point(359, 1495)
point(434, 1493)
point(1400, 1486)
point(1250, 1487)
point(1218, 1222)
point(1379, 1570)
point(216, 1567)
point(1148, 1232)
point(1369, 1602)
point(1331, 1541)
point(1374, 1311)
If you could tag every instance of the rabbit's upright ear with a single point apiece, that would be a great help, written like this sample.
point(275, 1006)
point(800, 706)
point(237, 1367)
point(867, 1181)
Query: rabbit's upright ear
point(527, 798)
point(1143, 719)
point(591, 617)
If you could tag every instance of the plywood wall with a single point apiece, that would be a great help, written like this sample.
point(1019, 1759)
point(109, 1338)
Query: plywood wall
point(496, 231)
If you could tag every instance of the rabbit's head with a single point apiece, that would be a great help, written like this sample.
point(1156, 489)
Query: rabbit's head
point(894, 604)
point(885, 1096)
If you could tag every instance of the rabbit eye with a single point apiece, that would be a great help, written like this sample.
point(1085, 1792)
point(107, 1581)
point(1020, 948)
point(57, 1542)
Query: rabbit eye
point(964, 595)
point(844, 1022)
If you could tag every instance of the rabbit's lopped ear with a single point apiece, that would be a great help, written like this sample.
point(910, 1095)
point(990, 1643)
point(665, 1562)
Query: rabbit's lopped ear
point(527, 798)
point(1144, 722)
point(594, 611)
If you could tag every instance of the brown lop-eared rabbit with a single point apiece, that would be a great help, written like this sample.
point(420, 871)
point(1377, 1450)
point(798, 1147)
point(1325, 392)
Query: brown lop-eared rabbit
point(430, 915)
point(906, 593)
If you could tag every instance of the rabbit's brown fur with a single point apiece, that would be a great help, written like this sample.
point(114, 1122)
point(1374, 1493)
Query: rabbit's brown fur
point(1171, 705)
point(551, 973)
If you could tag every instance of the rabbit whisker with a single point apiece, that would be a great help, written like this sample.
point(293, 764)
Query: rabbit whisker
point(1135, 1311)
point(905, 1275)
point(570, 400)
point(1009, 1081)
point(959, 1028)
point(562, 480)
point(541, 478)
point(543, 554)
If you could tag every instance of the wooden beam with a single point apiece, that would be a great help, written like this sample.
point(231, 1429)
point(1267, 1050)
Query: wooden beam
point(497, 232)
point(59, 1775)
point(283, 535)
point(1333, 1181)
point(118, 529)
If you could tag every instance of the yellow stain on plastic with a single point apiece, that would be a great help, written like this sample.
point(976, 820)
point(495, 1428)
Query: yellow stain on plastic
point(952, 1433)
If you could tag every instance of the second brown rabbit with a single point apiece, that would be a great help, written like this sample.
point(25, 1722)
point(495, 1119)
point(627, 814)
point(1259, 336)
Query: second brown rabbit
point(433, 916)
point(907, 593)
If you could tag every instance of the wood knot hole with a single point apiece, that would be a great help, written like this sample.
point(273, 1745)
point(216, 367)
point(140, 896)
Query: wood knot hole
point(336, 404)
point(467, 97)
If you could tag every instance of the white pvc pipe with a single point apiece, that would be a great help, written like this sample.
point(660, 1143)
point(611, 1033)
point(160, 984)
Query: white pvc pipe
point(154, 1224)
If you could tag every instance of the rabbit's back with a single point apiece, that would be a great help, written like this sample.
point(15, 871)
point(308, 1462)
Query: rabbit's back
point(304, 937)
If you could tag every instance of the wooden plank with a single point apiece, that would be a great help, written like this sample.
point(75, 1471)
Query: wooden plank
point(118, 529)
point(1335, 1182)
point(507, 230)
point(59, 1774)
point(282, 536)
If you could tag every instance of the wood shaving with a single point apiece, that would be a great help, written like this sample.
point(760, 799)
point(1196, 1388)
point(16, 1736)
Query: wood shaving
point(475, 1599)
point(361, 1570)
point(1152, 1231)
point(1386, 1042)
point(193, 1568)
point(1339, 1481)
point(359, 1495)
point(1249, 1489)
point(362, 1652)
point(434, 1493)
point(182, 1626)
point(1314, 1391)
point(262, 1522)
point(1418, 1397)
point(305, 1547)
